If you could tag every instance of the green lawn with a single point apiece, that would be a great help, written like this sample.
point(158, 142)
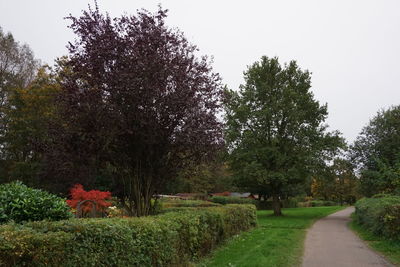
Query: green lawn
point(277, 241)
point(390, 249)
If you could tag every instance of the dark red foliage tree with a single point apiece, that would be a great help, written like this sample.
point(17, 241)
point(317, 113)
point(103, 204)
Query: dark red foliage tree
point(136, 101)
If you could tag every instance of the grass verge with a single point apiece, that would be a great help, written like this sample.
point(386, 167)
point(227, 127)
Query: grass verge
point(389, 248)
point(277, 241)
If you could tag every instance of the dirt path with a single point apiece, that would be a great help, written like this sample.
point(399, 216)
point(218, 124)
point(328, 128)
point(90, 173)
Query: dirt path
point(330, 242)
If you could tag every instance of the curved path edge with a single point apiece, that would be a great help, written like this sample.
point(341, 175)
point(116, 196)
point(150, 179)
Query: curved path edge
point(330, 243)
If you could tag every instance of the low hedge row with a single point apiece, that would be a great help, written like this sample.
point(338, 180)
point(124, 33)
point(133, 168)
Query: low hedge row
point(174, 203)
point(232, 200)
point(171, 239)
point(316, 203)
point(380, 214)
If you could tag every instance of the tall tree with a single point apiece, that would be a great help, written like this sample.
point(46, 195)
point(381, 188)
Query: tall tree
point(275, 129)
point(18, 68)
point(376, 152)
point(135, 101)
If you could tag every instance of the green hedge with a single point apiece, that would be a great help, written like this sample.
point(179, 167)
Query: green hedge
point(380, 214)
point(20, 203)
point(174, 203)
point(171, 239)
point(317, 203)
point(232, 200)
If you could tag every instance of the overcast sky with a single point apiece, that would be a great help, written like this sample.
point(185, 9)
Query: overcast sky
point(351, 47)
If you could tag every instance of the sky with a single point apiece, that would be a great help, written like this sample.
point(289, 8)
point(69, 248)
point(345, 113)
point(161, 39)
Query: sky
point(352, 47)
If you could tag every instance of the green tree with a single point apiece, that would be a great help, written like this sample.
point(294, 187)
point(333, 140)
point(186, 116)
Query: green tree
point(18, 68)
point(339, 183)
point(376, 152)
point(275, 132)
point(31, 110)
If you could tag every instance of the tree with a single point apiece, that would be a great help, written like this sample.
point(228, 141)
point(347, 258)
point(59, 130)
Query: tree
point(275, 131)
point(18, 69)
point(376, 152)
point(339, 183)
point(31, 108)
point(135, 102)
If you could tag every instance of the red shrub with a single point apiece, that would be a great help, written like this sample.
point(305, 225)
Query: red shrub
point(78, 194)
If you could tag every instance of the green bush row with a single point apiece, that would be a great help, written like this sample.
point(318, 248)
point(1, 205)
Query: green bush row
point(174, 203)
point(380, 214)
point(171, 239)
point(20, 203)
point(316, 203)
point(232, 200)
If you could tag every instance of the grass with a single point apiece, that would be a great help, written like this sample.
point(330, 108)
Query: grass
point(277, 241)
point(389, 248)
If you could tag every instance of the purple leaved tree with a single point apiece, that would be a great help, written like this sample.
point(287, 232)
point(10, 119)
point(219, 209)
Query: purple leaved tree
point(135, 100)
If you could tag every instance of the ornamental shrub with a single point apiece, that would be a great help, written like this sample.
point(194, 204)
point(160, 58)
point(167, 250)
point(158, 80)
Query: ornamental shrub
point(20, 203)
point(380, 214)
point(171, 239)
point(78, 194)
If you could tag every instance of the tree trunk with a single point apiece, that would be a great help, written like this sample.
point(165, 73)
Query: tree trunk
point(276, 204)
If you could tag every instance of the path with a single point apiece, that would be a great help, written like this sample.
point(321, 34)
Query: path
point(330, 242)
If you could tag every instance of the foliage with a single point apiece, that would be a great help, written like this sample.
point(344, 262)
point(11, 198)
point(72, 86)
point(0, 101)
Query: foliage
point(78, 194)
point(339, 184)
point(277, 242)
point(32, 109)
point(232, 200)
point(275, 132)
point(20, 203)
point(172, 239)
point(317, 203)
point(174, 203)
point(377, 153)
point(389, 248)
point(380, 215)
point(136, 103)
point(18, 69)
point(207, 176)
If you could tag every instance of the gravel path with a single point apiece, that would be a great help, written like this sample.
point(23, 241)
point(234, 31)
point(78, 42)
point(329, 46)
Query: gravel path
point(330, 242)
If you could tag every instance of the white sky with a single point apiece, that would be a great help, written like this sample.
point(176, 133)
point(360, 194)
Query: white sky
point(351, 47)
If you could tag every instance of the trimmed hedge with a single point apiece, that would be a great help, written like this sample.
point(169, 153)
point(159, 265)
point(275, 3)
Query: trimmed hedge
point(380, 214)
point(317, 203)
point(175, 203)
point(232, 200)
point(171, 239)
point(20, 203)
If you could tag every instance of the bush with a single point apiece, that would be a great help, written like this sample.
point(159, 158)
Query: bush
point(79, 195)
point(380, 214)
point(175, 203)
point(232, 200)
point(171, 239)
point(317, 203)
point(20, 203)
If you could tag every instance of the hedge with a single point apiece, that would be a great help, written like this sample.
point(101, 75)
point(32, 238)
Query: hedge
point(380, 214)
point(232, 200)
point(171, 239)
point(174, 203)
point(317, 203)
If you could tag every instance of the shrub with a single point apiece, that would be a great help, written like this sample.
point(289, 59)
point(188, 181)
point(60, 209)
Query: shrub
point(316, 203)
point(175, 203)
point(20, 203)
point(380, 214)
point(171, 239)
point(232, 200)
point(78, 194)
